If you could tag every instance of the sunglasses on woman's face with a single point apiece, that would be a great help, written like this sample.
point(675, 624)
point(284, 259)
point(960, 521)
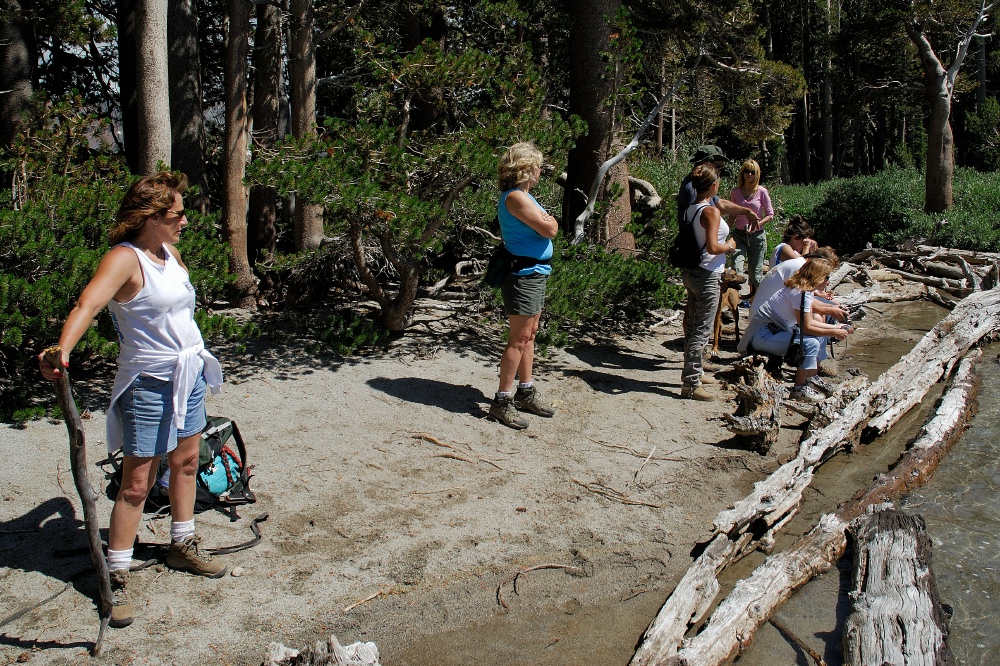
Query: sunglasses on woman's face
point(749, 173)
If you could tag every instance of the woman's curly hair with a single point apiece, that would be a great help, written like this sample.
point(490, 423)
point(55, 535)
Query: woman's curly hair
point(146, 197)
point(516, 165)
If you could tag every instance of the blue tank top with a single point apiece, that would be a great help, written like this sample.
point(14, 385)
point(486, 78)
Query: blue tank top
point(522, 240)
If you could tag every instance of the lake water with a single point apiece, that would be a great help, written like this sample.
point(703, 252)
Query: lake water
point(960, 509)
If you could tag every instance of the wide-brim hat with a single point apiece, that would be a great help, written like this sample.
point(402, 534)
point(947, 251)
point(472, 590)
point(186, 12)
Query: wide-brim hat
point(708, 153)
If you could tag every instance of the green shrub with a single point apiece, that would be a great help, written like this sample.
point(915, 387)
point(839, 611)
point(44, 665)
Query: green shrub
point(593, 289)
point(53, 233)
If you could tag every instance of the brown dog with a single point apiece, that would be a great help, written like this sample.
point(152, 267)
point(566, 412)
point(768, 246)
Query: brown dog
point(729, 296)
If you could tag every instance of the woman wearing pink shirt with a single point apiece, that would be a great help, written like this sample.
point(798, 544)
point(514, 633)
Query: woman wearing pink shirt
point(751, 239)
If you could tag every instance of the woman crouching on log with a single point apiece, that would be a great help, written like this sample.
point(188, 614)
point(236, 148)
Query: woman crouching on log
point(527, 232)
point(779, 319)
point(158, 400)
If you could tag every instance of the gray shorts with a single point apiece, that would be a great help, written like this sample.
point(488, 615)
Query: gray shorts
point(524, 294)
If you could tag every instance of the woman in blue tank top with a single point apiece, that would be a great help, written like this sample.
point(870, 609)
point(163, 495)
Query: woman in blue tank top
point(527, 232)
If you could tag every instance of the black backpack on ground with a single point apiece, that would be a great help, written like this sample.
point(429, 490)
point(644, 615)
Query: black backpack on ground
point(685, 251)
point(223, 477)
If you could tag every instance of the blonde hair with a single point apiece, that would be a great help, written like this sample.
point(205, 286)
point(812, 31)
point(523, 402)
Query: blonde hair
point(516, 165)
point(810, 276)
point(146, 197)
point(753, 178)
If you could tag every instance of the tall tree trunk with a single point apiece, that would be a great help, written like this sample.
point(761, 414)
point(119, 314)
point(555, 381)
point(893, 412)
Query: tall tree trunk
point(267, 85)
point(234, 219)
point(152, 85)
point(187, 121)
point(17, 60)
point(592, 89)
point(128, 97)
point(826, 103)
point(302, 72)
point(940, 141)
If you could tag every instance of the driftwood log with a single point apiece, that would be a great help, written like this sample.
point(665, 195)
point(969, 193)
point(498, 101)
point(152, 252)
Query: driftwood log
point(78, 462)
point(757, 420)
point(735, 622)
point(896, 615)
point(753, 521)
point(324, 653)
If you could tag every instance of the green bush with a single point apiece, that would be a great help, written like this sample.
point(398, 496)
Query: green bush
point(53, 233)
point(593, 289)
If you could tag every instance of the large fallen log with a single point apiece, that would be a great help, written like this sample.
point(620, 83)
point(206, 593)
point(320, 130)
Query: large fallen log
point(775, 500)
point(735, 622)
point(896, 614)
point(959, 287)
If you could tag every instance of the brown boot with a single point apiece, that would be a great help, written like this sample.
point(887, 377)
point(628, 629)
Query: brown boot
point(696, 393)
point(121, 607)
point(187, 556)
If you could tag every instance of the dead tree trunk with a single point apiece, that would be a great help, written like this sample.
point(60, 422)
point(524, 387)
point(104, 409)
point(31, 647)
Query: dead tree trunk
point(753, 521)
point(735, 622)
point(896, 615)
point(757, 420)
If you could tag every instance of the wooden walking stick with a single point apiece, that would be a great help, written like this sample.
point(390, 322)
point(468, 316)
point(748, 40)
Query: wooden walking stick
point(78, 461)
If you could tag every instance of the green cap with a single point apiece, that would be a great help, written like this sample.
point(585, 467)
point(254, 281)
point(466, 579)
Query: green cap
point(708, 153)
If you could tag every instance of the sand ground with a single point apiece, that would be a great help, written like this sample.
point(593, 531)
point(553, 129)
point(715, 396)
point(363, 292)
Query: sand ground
point(397, 510)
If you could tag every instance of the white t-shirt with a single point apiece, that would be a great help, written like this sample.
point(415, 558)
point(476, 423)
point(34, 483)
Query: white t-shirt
point(780, 308)
point(775, 281)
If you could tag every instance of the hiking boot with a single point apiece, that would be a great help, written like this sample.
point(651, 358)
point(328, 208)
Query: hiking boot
point(187, 556)
point(529, 400)
point(745, 304)
point(696, 393)
point(805, 393)
point(121, 607)
point(708, 379)
point(504, 411)
point(709, 366)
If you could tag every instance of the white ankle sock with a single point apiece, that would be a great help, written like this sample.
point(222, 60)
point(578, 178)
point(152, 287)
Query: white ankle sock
point(119, 560)
point(524, 386)
point(503, 394)
point(182, 531)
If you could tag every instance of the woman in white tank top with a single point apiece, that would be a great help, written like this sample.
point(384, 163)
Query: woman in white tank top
point(157, 406)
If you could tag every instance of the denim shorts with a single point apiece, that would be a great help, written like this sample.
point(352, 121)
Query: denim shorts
point(147, 412)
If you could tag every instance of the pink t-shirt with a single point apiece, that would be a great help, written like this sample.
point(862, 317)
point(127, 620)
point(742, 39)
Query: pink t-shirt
point(760, 203)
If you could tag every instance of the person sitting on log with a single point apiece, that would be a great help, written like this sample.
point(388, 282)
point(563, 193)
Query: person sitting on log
point(796, 241)
point(158, 399)
point(786, 317)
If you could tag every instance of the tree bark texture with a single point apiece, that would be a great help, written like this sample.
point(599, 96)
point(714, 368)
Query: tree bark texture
point(592, 87)
point(940, 141)
point(234, 213)
point(152, 85)
point(734, 623)
point(267, 84)
point(757, 420)
point(17, 62)
point(302, 74)
point(896, 615)
point(187, 121)
point(127, 92)
point(775, 500)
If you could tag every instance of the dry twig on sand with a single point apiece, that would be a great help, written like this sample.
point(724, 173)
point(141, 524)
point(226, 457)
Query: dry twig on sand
point(612, 494)
point(577, 571)
point(364, 601)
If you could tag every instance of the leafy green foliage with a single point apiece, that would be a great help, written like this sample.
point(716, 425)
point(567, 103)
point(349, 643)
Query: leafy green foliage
point(593, 289)
point(346, 332)
point(983, 130)
point(53, 233)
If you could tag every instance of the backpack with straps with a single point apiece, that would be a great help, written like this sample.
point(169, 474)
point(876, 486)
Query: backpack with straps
point(685, 252)
point(223, 477)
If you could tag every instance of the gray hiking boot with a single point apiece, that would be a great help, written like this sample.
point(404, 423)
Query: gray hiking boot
point(529, 400)
point(504, 411)
point(187, 556)
point(121, 607)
